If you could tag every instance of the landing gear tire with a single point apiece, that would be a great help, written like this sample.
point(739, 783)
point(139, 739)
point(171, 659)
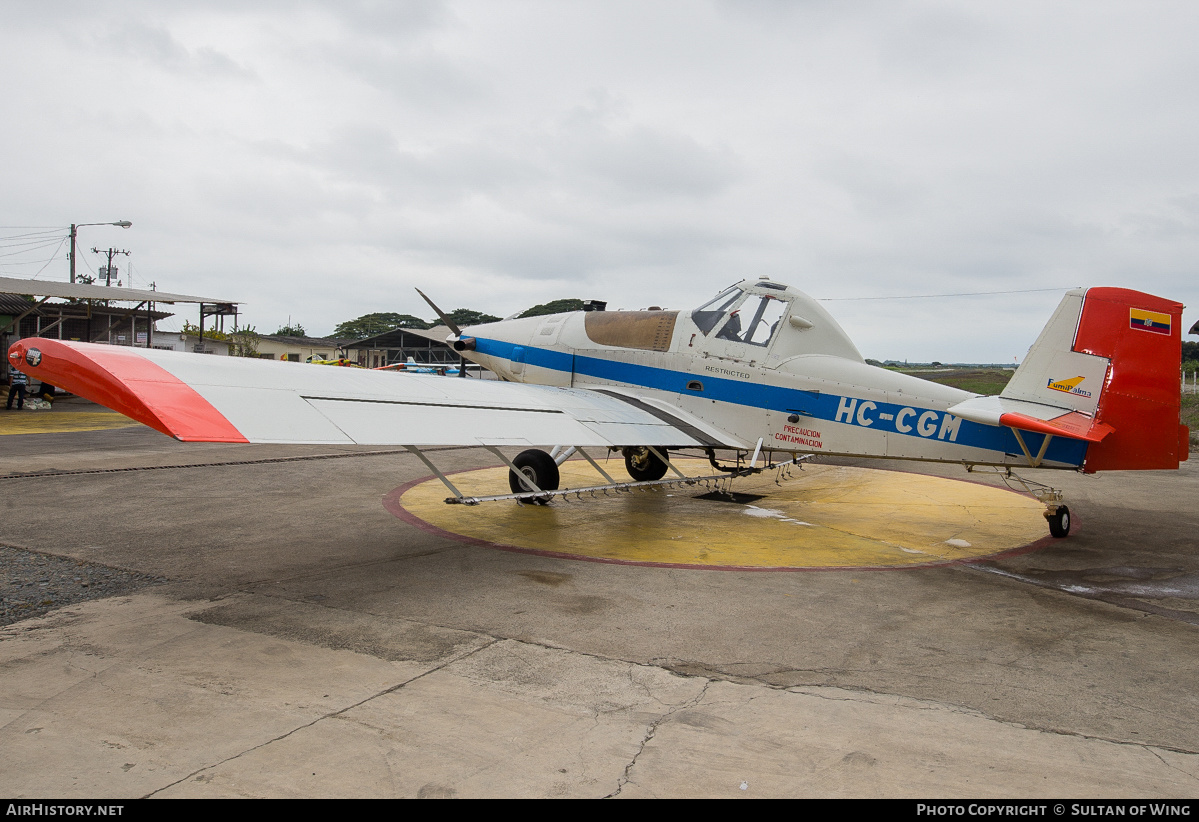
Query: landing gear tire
point(643, 465)
point(541, 470)
point(1059, 521)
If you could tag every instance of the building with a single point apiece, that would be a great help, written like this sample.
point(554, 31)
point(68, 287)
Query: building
point(300, 349)
point(396, 346)
point(76, 321)
point(92, 313)
point(177, 341)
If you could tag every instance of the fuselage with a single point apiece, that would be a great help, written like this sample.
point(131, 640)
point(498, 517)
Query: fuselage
point(761, 362)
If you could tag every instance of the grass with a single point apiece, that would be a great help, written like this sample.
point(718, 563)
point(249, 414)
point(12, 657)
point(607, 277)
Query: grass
point(974, 380)
point(992, 381)
point(1190, 416)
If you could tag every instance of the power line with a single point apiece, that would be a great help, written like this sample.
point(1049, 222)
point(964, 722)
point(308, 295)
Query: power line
point(28, 243)
point(42, 234)
point(28, 262)
point(937, 296)
point(52, 259)
point(29, 249)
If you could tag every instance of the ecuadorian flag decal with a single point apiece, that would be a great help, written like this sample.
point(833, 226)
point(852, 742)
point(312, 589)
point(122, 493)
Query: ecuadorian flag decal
point(1149, 320)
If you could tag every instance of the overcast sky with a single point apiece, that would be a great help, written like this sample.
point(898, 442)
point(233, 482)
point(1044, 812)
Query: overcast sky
point(318, 160)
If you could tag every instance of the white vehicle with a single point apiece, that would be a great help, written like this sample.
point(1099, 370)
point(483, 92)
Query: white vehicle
point(761, 370)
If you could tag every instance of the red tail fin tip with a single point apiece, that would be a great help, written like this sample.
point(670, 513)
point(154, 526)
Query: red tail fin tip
point(1141, 336)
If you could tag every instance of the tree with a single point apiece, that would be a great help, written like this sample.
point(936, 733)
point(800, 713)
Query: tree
point(554, 307)
point(292, 330)
point(368, 325)
point(1190, 356)
point(465, 316)
point(209, 333)
point(244, 341)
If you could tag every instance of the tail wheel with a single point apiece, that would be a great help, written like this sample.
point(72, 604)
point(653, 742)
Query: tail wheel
point(643, 465)
point(1059, 521)
point(539, 467)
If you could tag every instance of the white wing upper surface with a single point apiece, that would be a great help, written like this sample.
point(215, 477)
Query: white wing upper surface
point(198, 397)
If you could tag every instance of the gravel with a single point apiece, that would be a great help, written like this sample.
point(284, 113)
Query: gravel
point(32, 584)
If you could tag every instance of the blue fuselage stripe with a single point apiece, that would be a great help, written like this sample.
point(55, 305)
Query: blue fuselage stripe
point(892, 418)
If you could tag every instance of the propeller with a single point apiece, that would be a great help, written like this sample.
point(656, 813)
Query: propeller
point(450, 324)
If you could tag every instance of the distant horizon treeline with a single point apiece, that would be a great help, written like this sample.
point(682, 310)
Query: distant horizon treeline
point(368, 325)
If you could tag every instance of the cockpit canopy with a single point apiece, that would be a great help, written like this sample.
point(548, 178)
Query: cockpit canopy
point(752, 316)
point(767, 315)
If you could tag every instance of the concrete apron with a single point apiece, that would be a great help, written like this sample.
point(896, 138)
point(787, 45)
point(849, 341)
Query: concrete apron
point(146, 695)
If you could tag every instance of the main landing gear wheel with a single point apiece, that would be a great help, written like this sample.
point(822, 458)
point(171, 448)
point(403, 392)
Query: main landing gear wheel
point(1059, 521)
point(643, 465)
point(541, 470)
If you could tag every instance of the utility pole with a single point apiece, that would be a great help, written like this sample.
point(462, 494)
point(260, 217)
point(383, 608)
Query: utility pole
point(74, 230)
point(111, 252)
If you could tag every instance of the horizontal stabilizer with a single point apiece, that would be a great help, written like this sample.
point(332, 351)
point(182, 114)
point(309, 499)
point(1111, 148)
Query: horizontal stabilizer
point(1031, 416)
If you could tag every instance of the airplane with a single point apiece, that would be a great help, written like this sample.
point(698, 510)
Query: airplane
point(761, 370)
point(411, 366)
point(341, 362)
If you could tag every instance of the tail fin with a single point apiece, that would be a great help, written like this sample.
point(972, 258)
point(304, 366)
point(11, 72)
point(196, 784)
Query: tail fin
point(1113, 355)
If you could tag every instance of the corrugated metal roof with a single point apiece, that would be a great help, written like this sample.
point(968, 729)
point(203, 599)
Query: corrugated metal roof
point(13, 305)
point(396, 337)
point(82, 291)
point(317, 341)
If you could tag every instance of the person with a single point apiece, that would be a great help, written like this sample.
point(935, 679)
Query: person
point(18, 381)
point(732, 329)
point(45, 391)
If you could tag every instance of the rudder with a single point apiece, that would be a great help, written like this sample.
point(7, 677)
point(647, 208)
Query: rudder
point(1112, 355)
point(1141, 336)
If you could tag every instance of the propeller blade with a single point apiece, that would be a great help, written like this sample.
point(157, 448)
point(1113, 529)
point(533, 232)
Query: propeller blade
point(448, 322)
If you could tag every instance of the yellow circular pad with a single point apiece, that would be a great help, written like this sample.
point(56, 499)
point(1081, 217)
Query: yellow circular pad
point(824, 517)
point(62, 422)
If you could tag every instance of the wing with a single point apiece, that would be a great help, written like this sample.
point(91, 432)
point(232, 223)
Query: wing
point(206, 398)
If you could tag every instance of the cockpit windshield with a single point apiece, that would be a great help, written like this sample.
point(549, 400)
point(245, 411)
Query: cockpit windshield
point(751, 318)
point(714, 310)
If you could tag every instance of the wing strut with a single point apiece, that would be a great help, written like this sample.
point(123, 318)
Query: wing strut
point(433, 468)
point(596, 466)
point(524, 478)
point(662, 456)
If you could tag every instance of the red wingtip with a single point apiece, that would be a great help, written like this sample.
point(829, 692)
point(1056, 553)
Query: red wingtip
point(122, 379)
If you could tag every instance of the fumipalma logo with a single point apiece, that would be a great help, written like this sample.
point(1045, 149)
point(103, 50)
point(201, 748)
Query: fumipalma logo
point(1069, 386)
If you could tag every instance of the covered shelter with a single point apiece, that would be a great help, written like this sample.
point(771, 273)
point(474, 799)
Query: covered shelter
point(87, 312)
point(426, 347)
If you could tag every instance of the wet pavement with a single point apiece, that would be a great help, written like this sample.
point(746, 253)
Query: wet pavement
point(304, 641)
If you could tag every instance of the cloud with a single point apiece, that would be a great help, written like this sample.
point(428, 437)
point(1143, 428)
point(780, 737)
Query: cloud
point(641, 153)
point(156, 46)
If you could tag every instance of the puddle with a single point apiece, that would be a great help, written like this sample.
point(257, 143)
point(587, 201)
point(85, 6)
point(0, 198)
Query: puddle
point(1121, 585)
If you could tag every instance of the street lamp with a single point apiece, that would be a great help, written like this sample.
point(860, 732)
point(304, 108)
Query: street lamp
point(74, 226)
